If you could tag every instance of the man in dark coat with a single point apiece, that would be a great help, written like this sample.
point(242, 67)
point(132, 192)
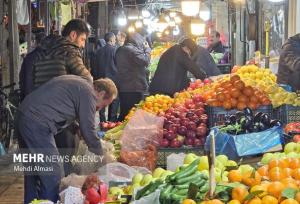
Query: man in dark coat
point(25, 75)
point(205, 61)
point(289, 63)
point(44, 113)
point(171, 73)
point(216, 44)
point(105, 68)
point(132, 60)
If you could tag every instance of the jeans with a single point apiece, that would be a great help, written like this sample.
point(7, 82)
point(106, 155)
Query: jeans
point(35, 138)
point(127, 101)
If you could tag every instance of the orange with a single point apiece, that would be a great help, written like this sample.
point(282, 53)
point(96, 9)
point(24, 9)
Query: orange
point(297, 197)
point(289, 201)
point(263, 170)
point(276, 174)
point(239, 193)
point(251, 179)
point(215, 201)
point(287, 172)
point(239, 84)
point(248, 91)
point(243, 98)
point(275, 188)
point(273, 163)
point(235, 93)
point(254, 201)
point(220, 96)
point(234, 176)
point(188, 201)
point(288, 181)
point(269, 200)
point(294, 163)
point(227, 105)
point(234, 202)
point(234, 78)
point(252, 105)
point(233, 102)
point(296, 174)
point(254, 99)
point(241, 106)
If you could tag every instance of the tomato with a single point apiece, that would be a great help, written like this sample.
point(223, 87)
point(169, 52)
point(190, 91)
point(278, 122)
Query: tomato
point(292, 127)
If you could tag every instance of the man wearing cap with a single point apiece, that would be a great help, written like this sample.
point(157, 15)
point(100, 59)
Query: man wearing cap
point(171, 74)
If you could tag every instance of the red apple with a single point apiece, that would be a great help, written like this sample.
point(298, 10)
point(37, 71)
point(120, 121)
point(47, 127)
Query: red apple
point(201, 131)
point(191, 133)
point(203, 118)
point(164, 143)
point(296, 138)
point(198, 98)
point(189, 141)
point(182, 130)
point(170, 135)
point(192, 126)
point(206, 81)
point(197, 142)
point(199, 111)
point(175, 143)
point(173, 128)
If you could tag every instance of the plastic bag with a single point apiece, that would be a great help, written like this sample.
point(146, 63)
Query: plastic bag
point(235, 146)
point(143, 129)
point(175, 160)
point(72, 195)
point(118, 172)
point(73, 180)
point(140, 138)
point(152, 198)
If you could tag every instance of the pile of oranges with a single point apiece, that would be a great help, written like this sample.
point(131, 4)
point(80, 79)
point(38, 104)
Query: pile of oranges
point(233, 93)
point(271, 179)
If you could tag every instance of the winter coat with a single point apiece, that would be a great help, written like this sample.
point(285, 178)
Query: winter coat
point(26, 73)
point(216, 47)
point(171, 73)
point(58, 57)
point(105, 63)
point(205, 62)
point(289, 63)
point(132, 60)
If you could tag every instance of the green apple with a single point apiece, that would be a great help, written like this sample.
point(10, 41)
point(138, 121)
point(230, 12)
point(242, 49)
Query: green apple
point(224, 176)
point(205, 172)
point(136, 179)
point(146, 180)
point(298, 147)
point(245, 168)
point(290, 147)
point(158, 172)
point(267, 158)
point(203, 163)
point(165, 174)
point(116, 191)
point(189, 158)
point(292, 155)
point(222, 158)
point(218, 174)
point(231, 163)
point(219, 165)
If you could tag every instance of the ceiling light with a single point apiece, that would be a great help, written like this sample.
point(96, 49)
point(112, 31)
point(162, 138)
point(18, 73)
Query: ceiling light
point(197, 27)
point(138, 24)
point(146, 13)
point(190, 7)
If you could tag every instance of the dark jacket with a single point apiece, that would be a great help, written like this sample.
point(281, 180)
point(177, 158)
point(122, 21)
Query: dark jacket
point(171, 72)
point(205, 62)
point(289, 63)
point(216, 47)
point(61, 101)
point(26, 73)
point(132, 60)
point(105, 63)
point(58, 57)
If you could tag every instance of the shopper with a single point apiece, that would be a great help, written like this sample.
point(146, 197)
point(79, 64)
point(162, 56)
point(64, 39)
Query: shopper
point(62, 54)
point(216, 44)
point(205, 62)
point(45, 112)
point(121, 37)
point(105, 67)
point(289, 63)
point(171, 73)
point(25, 75)
point(132, 60)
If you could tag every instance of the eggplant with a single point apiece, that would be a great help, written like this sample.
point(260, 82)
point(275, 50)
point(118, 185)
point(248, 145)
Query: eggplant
point(275, 123)
point(265, 119)
point(257, 117)
point(241, 132)
point(255, 128)
point(232, 119)
point(239, 114)
point(262, 126)
point(248, 112)
point(227, 122)
point(232, 132)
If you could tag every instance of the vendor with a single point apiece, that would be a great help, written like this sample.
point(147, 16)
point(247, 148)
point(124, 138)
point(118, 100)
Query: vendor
point(289, 63)
point(44, 113)
point(171, 74)
point(215, 43)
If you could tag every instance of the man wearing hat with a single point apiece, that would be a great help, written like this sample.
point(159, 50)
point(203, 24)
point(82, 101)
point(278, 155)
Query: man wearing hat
point(171, 74)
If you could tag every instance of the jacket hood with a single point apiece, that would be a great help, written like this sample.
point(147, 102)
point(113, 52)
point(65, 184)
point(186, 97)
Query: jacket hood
point(136, 39)
point(54, 41)
point(295, 38)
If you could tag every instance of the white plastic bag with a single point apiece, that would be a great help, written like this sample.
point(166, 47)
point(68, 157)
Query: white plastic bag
point(72, 195)
point(174, 161)
point(152, 198)
point(118, 172)
point(73, 180)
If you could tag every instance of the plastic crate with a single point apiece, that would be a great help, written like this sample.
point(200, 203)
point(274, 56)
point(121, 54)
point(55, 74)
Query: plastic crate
point(287, 114)
point(224, 68)
point(163, 153)
point(217, 115)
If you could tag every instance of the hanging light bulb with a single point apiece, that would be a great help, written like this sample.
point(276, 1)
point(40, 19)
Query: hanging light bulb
point(204, 12)
point(190, 7)
point(131, 29)
point(146, 13)
point(162, 24)
point(122, 20)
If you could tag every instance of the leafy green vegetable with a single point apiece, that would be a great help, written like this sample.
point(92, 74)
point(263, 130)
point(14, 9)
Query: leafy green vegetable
point(289, 193)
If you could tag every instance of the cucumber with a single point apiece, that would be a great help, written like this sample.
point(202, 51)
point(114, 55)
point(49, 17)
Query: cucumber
point(198, 182)
point(188, 172)
point(188, 179)
point(177, 197)
point(182, 192)
point(187, 169)
point(165, 192)
point(204, 188)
